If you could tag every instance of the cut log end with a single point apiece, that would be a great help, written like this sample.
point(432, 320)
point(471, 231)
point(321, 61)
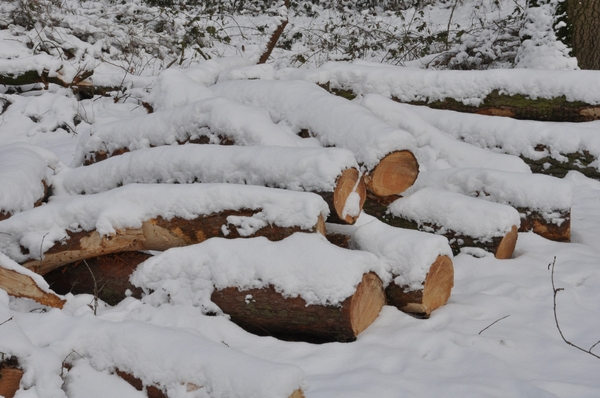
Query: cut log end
point(507, 245)
point(347, 183)
point(366, 303)
point(10, 377)
point(394, 174)
point(435, 293)
point(23, 286)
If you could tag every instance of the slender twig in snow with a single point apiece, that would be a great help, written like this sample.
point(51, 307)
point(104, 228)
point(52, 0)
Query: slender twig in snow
point(9, 319)
point(493, 323)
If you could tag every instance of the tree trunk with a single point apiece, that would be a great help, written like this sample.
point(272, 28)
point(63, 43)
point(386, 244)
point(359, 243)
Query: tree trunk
point(584, 15)
point(267, 312)
point(19, 285)
point(10, 377)
point(155, 234)
point(106, 276)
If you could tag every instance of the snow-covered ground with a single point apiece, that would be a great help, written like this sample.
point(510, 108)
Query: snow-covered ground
point(496, 337)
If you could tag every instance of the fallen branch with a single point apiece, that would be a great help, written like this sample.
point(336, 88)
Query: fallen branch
point(555, 291)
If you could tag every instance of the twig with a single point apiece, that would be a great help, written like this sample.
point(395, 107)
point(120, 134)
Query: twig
point(555, 290)
point(95, 308)
point(9, 319)
point(493, 323)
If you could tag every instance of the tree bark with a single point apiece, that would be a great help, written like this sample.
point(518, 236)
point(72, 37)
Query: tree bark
point(19, 285)
point(155, 234)
point(584, 15)
point(105, 276)
point(267, 312)
point(10, 377)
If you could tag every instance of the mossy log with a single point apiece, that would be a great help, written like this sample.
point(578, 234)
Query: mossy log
point(10, 377)
point(502, 246)
point(20, 285)
point(558, 230)
point(516, 106)
point(34, 76)
point(155, 234)
point(267, 312)
point(105, 276)
point(580, 161)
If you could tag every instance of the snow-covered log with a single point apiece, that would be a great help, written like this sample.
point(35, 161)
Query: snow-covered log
point(543, 202)
point(551, 95)
point(154, 217)
point(213, 120)
point(436, 148)
point(176, 362)
point(329, 172)
point(464, 220)
point(40, 68)
point(386, 152)
point(548, 148)
point(325, 293)
point(420, 265)
point(24, 177)
point(10, 377)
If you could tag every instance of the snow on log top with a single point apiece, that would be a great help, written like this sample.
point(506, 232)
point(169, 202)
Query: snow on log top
point(469, 87)
point(406, 254)
point(245, 125)
point(127, 207)
point(304, 265)
point(299, 169)
point(334, 120)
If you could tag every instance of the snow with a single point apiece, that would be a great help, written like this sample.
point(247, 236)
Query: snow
point(456, 212)
point(497, 335)
point(298, 169)
point(129, 206)
point(406, 254)
point(323, 275)
point(333, 120)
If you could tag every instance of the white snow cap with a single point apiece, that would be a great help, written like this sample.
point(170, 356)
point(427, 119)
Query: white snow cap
point(129, 206)
point(534, 191)
point(213, 117)
point(23, 167)
point(333, 120)
point(405, 253)
point(468, 87)
point(460, 213)
point(299, 169)
point(301, 265)
point(436, 148)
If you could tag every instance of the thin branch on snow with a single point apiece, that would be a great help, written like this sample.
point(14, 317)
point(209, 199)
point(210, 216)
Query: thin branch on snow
point(493, 323)
point(556, 290)
point(9, 319)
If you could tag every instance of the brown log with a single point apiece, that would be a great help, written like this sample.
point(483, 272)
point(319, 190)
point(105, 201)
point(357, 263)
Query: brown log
point(434, 294)
point(394, 174)
point(10, 377)
point(155, 234)
point(502, 246)
point(267, 312)
point(345, 185)
point(107, 276)
point(535, 222)
point(155, 392)
point(19, 285)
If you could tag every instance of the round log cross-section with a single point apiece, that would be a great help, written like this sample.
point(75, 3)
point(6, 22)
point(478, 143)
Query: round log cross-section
point(394, 174)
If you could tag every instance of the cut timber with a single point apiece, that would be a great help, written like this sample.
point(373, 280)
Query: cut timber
point(329, 172)
point(394, 174)
point(543, 202)
point(10, 377)
point(494, 92)
point(463, 220)
point(435, 293)
point(155, 234)
point(107, 276)
point(214, 120)
point(419, 264)
point(19, 285)
point(335, 122)
point(269, 313)
point(154, 217)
